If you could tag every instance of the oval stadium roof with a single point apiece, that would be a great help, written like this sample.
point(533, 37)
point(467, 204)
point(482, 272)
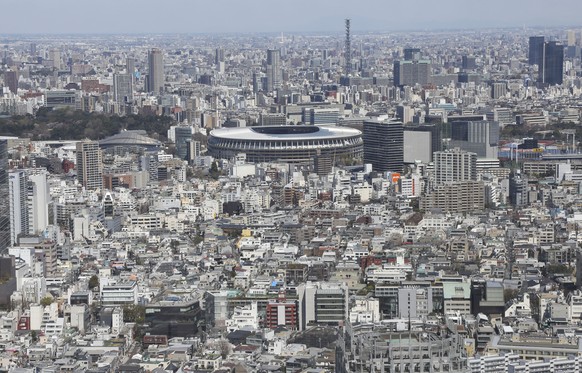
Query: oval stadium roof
point(130, 138)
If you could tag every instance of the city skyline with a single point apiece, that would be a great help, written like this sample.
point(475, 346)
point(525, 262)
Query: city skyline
point(257, 16)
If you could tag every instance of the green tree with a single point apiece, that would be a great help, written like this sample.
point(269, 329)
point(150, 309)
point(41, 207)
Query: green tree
point(134, 313)
point(93, 282)
point(46, 301)
point(214, 172)
point(509, 294)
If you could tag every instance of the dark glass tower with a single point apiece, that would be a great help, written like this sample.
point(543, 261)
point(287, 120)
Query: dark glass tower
point(4, 198)
point(384, 145)
point(552, 71)
point(536, 46)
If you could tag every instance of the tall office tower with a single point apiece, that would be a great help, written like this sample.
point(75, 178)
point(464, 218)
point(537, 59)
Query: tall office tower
point(155, 71)
point(274, 73)
point(421, 141)
point(38, 198)
point(183, 136)
point(123, 88)
point(480, 137)
point(571, 35)
point(536, 46)
point(4, 198)
point(18, 205)
point(11, 80)
point(552, 70)
point(498, 90)
point(55, 56)
point(384, 145)
point(130, 66)
point(89, 164)
point(409, 73)
point(348, 47)
point(32, 49)
point(454, 165)
point(468, 63)
point(411, 54)
point(218, 56)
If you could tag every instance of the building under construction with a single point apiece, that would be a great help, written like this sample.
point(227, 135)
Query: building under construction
point(385, 347)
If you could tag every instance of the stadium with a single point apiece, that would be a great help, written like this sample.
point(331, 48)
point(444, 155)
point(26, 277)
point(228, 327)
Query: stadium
point(291, 144)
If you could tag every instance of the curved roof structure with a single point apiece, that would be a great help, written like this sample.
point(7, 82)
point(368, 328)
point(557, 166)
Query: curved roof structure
point(294, 144)
point(130, 138)
point(284, 133)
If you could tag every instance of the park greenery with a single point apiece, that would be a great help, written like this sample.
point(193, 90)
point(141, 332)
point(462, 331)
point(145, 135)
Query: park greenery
point(68, 124)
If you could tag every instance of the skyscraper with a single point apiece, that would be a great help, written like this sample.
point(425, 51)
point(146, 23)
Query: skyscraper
point(130, 66)
point(55, 56)
point(384, 145)
point(183, 136)
point(411, 72)
point(274, 74)
point(218, 56)
point(411, 54)
point(480, 137)
point(536, 45)
point(155, 71)
point(454, 165)
point(11, 80)
point(571, 34)
point(89, 164)
point(123, 88)
point(421, 146)
point(551, 71)
point(38, 197)
point(498, 90)
point(18, 205)
point(4, 197)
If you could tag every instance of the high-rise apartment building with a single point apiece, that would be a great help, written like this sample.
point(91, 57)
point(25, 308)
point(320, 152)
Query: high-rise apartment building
point(384, 145)
point(18, 205)
point(4, 197)
point(459, 197)
point(38, 198)
point(454, 165)
point(123, 88)
point(274, 73)
point(28, 202)
point(498, 90)
point(89, 164)
point(155, 71)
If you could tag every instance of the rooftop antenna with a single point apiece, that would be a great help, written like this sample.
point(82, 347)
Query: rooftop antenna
point(348, 51)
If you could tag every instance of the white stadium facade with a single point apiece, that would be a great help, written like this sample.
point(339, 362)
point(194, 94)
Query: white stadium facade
point(292, 144)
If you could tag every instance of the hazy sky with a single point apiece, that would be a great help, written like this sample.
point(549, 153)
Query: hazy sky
point(215, 16)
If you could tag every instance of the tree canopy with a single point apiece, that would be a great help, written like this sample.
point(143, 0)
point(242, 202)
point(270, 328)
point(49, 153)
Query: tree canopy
point(67, 124)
